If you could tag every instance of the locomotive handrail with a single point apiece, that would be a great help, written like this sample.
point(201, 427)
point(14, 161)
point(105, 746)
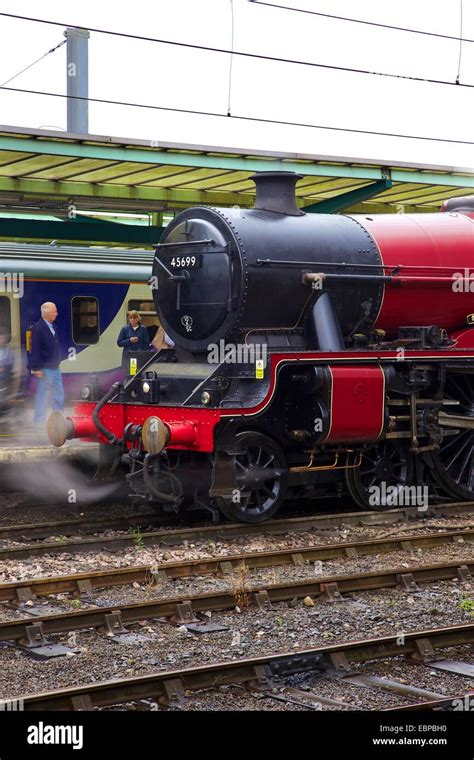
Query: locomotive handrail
point(186, 242)
point(343, 265)
point(390, 279)
point(171, 276)
point(339, 265)
point(362, 277)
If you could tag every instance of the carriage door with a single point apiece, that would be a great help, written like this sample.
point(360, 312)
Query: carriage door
point(10, 327)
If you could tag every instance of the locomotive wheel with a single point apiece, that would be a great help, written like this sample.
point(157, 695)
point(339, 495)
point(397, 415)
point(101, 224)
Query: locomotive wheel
point(453, 463)
point(384, 467)
point(261, 473)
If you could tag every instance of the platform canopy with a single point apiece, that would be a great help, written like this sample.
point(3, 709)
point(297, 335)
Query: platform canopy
point(39, 168)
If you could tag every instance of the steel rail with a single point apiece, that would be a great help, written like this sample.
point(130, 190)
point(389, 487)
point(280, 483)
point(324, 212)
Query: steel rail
point(225, 565)
point(169, 686)
point(78, 525)
point(227, 532)
point(184, 608)
point(447, 703)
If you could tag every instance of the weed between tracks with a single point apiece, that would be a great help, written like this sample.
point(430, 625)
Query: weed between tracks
point(138, 538)
point(241, 586)
point(467, 604)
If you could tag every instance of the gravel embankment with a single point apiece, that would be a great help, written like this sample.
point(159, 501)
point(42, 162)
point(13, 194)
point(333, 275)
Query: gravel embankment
point(247, 633)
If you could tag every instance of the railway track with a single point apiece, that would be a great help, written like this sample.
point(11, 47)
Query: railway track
point(69, 527)
point(30, 632)
point(86, 582)
point(176, 536)
point(269, 674)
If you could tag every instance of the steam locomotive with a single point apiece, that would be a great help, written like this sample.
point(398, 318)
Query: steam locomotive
point(314, 354)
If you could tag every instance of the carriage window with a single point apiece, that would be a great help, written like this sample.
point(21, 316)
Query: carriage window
point(5, 318)
point(85, 320)
point(143, 307)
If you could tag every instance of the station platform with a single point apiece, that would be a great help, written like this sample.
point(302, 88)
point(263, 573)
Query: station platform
point(23, 449)
point(20, 441)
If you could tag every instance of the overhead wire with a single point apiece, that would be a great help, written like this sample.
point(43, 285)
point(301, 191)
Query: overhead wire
point(233, 52)
point(231, 61)
point(33, 64)
point(460, 41)
point(378, 24)
point(243, 53)
point(239, 117)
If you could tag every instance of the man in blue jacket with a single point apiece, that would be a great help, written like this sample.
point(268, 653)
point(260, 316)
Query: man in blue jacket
point(45, 358)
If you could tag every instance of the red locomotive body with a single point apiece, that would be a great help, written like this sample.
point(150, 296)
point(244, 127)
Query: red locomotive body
point(433, 253)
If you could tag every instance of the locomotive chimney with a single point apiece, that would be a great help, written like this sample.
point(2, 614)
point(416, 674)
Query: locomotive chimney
point(276, 192)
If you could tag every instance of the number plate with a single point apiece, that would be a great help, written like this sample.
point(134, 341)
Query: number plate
point(185, 261)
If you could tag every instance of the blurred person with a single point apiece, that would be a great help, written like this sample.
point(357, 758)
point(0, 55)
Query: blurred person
point(7, 363)
point(45, 357)
point(6, 354)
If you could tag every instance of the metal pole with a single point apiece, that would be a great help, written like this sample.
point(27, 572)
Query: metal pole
point(77, 79)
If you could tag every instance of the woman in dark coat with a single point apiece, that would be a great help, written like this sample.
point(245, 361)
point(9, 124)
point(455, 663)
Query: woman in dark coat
point(133, 337)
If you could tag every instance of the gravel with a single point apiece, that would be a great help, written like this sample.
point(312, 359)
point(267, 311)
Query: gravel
point(70, 562)
point(250, 632)
point(240, 582)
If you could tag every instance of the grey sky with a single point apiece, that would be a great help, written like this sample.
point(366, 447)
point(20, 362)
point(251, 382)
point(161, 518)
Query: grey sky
point(146, 72)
